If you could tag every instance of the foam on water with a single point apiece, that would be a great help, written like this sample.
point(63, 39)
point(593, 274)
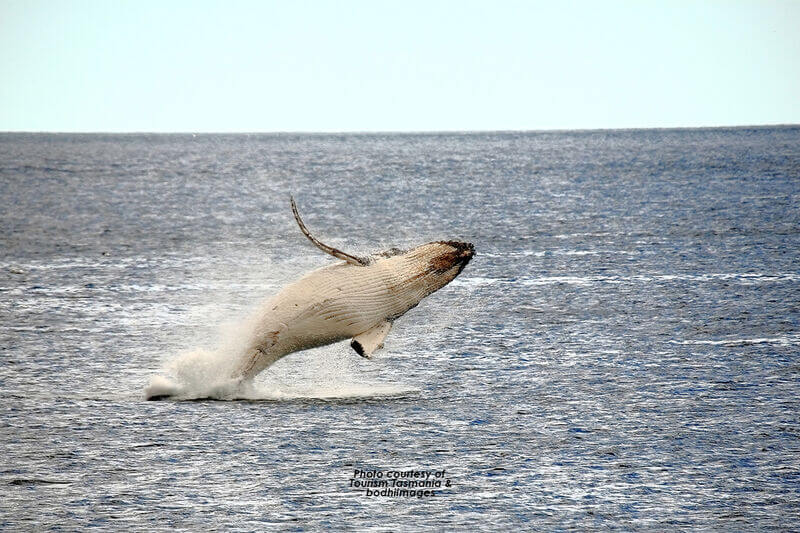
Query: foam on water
point(744, 278)
point(195, 374)
point(202, 374)
point(322, 373)
point(332, 391)
point(787, 340)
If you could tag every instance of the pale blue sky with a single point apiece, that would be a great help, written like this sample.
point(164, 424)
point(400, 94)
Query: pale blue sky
point(396, 66)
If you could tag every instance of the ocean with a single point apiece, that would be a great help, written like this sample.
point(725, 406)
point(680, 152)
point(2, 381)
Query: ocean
point(623, 352)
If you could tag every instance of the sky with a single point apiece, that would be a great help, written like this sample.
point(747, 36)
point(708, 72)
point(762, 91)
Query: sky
point(339, 66)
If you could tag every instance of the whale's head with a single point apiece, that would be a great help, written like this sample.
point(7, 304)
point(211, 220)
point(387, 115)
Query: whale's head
point(447, 258)
point(431, 266)
point(417, 272)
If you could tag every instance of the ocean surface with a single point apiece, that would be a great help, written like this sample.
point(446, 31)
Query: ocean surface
point(623, 352)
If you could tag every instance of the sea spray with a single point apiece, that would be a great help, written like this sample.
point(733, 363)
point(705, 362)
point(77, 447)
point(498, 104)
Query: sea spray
point(332, 372)
point(194, 374)
point(206, 372)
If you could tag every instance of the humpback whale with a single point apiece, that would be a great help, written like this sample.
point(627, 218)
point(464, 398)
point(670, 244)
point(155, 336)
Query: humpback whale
point(357, 298)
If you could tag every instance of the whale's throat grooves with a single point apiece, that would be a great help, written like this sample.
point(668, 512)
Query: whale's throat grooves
point(332, 304)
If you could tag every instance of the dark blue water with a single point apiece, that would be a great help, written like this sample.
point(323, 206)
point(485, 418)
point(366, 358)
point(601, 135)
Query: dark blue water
point(622, 353)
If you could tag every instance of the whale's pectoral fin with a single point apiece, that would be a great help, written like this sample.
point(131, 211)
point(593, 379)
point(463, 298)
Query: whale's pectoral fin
point(338, 254)
point(366, 343)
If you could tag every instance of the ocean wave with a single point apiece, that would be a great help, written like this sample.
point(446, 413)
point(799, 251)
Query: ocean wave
point(786, 340)
point(744, 278)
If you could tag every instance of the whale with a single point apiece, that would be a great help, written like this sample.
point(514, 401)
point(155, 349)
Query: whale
point(358, 298)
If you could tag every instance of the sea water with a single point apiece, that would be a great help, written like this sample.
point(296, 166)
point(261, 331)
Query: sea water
point(622, 353)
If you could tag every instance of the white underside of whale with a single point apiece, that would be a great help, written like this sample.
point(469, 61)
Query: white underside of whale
point(331, 304)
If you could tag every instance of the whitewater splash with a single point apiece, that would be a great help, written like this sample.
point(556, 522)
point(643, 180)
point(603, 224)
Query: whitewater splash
point(202, 374)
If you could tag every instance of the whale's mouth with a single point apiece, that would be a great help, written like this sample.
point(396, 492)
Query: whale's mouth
point(466, 251)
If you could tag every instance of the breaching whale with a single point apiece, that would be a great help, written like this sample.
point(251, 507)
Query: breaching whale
point(358, 298)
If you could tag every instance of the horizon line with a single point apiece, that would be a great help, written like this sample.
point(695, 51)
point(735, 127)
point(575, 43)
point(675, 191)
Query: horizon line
point(395, 132)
